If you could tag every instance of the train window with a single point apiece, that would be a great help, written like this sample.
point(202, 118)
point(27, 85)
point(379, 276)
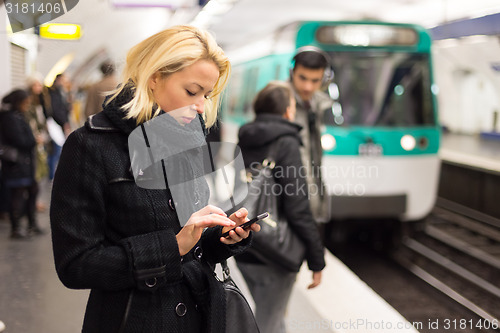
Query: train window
point(277, 72)
point(231, 100)
point(366, 35)
point(382, 89)
point(250, 89)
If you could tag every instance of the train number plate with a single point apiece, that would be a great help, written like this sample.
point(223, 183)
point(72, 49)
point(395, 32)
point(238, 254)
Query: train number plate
point(370, 149)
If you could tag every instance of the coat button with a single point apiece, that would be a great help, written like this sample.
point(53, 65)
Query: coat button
point(150, 283)
point(198, 253)
point(181, 309)
point(171, 204)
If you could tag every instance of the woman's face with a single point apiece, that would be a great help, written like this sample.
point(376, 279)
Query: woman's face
point(24, 105)
point(187, 89)
point(36, 88)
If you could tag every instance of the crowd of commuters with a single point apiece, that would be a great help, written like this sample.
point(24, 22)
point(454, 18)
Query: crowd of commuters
point(24, 117)
point(148, 270)
point(47, 112)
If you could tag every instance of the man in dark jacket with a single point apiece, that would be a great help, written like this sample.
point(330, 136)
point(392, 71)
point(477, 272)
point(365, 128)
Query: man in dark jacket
point(60, 108)
point(271, 285)
point(311, 71)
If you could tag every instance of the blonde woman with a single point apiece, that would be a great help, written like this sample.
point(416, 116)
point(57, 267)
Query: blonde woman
point(145, 265)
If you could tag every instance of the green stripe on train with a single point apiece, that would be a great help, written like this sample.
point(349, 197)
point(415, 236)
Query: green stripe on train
point(349, 139)
point(307, 36)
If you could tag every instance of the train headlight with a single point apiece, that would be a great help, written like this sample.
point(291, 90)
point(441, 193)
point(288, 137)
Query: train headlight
point(328, 142)
point(408, 142)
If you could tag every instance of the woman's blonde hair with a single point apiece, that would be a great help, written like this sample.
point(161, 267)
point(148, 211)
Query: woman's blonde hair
point(167, 52)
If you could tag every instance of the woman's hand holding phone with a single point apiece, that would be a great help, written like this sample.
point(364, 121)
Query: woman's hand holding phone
point(232, 235)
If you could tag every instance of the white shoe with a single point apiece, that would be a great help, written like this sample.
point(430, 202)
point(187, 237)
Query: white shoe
point(2, 326)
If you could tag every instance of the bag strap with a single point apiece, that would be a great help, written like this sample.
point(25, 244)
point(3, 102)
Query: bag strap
point(226, 273)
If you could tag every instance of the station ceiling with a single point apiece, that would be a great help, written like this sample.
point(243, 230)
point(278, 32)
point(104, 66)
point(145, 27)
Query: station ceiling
point(110, 31)
point(250, 18)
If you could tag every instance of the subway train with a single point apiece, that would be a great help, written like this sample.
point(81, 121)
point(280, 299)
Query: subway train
point(381, 137)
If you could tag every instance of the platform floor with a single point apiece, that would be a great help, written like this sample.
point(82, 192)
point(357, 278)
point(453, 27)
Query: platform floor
point(473, 150)
point(32, 299)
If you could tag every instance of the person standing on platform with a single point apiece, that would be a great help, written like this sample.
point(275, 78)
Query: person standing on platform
point(36, 118)
point(148, 268)
point(60, 109)
point(96, 92)
point(310, 72)
point(19, 175)
point(271, 285)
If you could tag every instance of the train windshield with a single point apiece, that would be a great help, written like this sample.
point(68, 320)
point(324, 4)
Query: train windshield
point(380, 89)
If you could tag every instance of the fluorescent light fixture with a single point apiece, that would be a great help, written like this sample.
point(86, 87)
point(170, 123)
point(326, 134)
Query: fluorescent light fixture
point(153, 3)
point(64, 31)
point(212, 12)
point(60, 66)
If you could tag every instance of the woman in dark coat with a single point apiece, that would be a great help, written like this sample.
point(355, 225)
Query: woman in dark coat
point(271, 285)
point(19, 176)
point(149, 267)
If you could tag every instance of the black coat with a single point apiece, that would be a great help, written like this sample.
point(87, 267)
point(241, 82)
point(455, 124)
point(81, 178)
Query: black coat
point(118, 239)
point(16, 132)
point(59, 106)
point(254, 140)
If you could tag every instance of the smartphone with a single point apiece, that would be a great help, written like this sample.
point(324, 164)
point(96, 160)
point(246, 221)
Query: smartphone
point(247, 224)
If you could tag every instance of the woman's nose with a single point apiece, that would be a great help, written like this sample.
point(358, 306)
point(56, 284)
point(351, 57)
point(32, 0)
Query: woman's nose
point(200, 106)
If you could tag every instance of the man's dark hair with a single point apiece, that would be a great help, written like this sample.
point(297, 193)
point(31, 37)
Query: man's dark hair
point(107, 68)
point(273, 99)
point(310, 59)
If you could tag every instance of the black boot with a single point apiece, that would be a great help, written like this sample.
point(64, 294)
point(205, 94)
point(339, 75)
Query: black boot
point(35, 231)
point(33, 228)
point(16, 232)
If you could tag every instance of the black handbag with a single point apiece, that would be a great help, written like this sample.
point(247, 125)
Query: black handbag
point(276, 243)
point(239, 315)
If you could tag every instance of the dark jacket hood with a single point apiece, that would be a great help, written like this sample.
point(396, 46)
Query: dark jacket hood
point(265, 129)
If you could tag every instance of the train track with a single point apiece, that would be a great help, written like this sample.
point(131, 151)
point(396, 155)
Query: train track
point(459, 255)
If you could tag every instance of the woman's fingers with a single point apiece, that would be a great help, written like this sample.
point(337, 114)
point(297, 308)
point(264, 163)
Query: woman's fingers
point(209, 209)
point(255, 227)
point(240, 216)
point(316, 280)
point(212, 220)
point(236, 235)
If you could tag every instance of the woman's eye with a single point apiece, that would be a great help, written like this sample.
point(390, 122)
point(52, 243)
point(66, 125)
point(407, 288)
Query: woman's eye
point(190, 93)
